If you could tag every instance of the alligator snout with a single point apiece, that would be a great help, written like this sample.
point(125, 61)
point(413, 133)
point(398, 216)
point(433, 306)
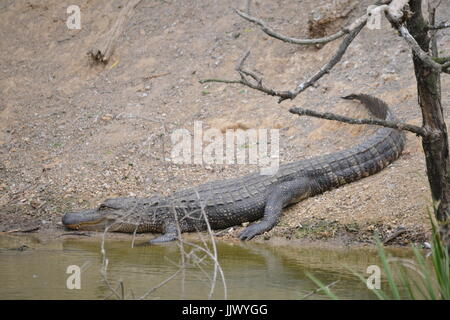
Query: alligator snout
point(75, 220)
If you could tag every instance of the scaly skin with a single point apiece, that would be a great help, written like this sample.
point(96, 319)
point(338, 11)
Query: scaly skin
point(231, 202)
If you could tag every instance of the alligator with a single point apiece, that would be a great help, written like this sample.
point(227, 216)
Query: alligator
point(225, 203)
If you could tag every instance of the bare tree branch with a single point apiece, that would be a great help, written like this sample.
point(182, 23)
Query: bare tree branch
point(384, 123)
point(445, 67)
point(269, 31)
point(249, 4)
point(330, 64)
point(422, 55)
point(257, 83)
point(433, 33)
point(442, 25)
point(394, 11)
point(432, 7)
point(442, 60)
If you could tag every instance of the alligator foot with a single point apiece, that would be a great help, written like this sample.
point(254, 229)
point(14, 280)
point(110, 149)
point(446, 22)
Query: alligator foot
point(253, 230)
point(167, 237)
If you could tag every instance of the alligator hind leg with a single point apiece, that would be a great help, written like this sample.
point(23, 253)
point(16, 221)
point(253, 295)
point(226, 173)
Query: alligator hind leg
point(282, 195)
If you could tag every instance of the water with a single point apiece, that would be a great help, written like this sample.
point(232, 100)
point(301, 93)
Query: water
point(251, 270)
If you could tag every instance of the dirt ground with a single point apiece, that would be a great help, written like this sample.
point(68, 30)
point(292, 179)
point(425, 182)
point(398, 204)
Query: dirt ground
point(73, 133)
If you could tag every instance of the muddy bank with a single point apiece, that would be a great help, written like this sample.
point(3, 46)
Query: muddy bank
point(319, 233)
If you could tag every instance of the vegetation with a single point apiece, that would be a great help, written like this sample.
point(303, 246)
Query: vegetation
point(425, 278)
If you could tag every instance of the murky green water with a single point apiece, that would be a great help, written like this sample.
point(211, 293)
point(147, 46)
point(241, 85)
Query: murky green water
point(252, 271)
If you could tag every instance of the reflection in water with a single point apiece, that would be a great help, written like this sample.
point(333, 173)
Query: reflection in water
point(252, 271)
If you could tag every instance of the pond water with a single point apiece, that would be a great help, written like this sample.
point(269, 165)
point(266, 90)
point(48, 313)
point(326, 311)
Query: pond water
point(251, 270)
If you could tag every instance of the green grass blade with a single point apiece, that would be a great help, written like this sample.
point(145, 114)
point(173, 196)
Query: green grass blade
point(381, 295)
point(387, 269)
point(424, 268)
point(441, 263)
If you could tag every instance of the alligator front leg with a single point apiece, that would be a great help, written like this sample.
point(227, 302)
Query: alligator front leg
point(170, 234)
point(166, 237)
point(282, 195)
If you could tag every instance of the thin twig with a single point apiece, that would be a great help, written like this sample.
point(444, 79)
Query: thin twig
point(105, 261)
point(246, 82)
point(153, 76)
point(432, 21)
point(384, 123)
point(442, 25)
point(320, 289)
point(114, 291)
point(32, 229)
point(446, 66)
point(408, 263)
point(330, 64)
point(419, 53)
point(134, 236)
point(212, 257)
point(220, 80)
point(122, 290)
point(398, 232)
point(269, 31)
point(217, 266)
point(182, 250)
point(149, 292)
point(76, 233)
point(257, 82)
point(433, 39)
point(104, 268)
point(249, 4)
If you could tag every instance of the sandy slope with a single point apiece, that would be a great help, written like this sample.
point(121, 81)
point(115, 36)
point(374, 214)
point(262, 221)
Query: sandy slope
point(73, 134)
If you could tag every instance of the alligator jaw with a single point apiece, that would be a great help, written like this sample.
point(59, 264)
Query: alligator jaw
point(86, 220)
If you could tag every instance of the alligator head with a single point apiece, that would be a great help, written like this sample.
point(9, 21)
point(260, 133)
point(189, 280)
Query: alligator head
point(119, 214)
